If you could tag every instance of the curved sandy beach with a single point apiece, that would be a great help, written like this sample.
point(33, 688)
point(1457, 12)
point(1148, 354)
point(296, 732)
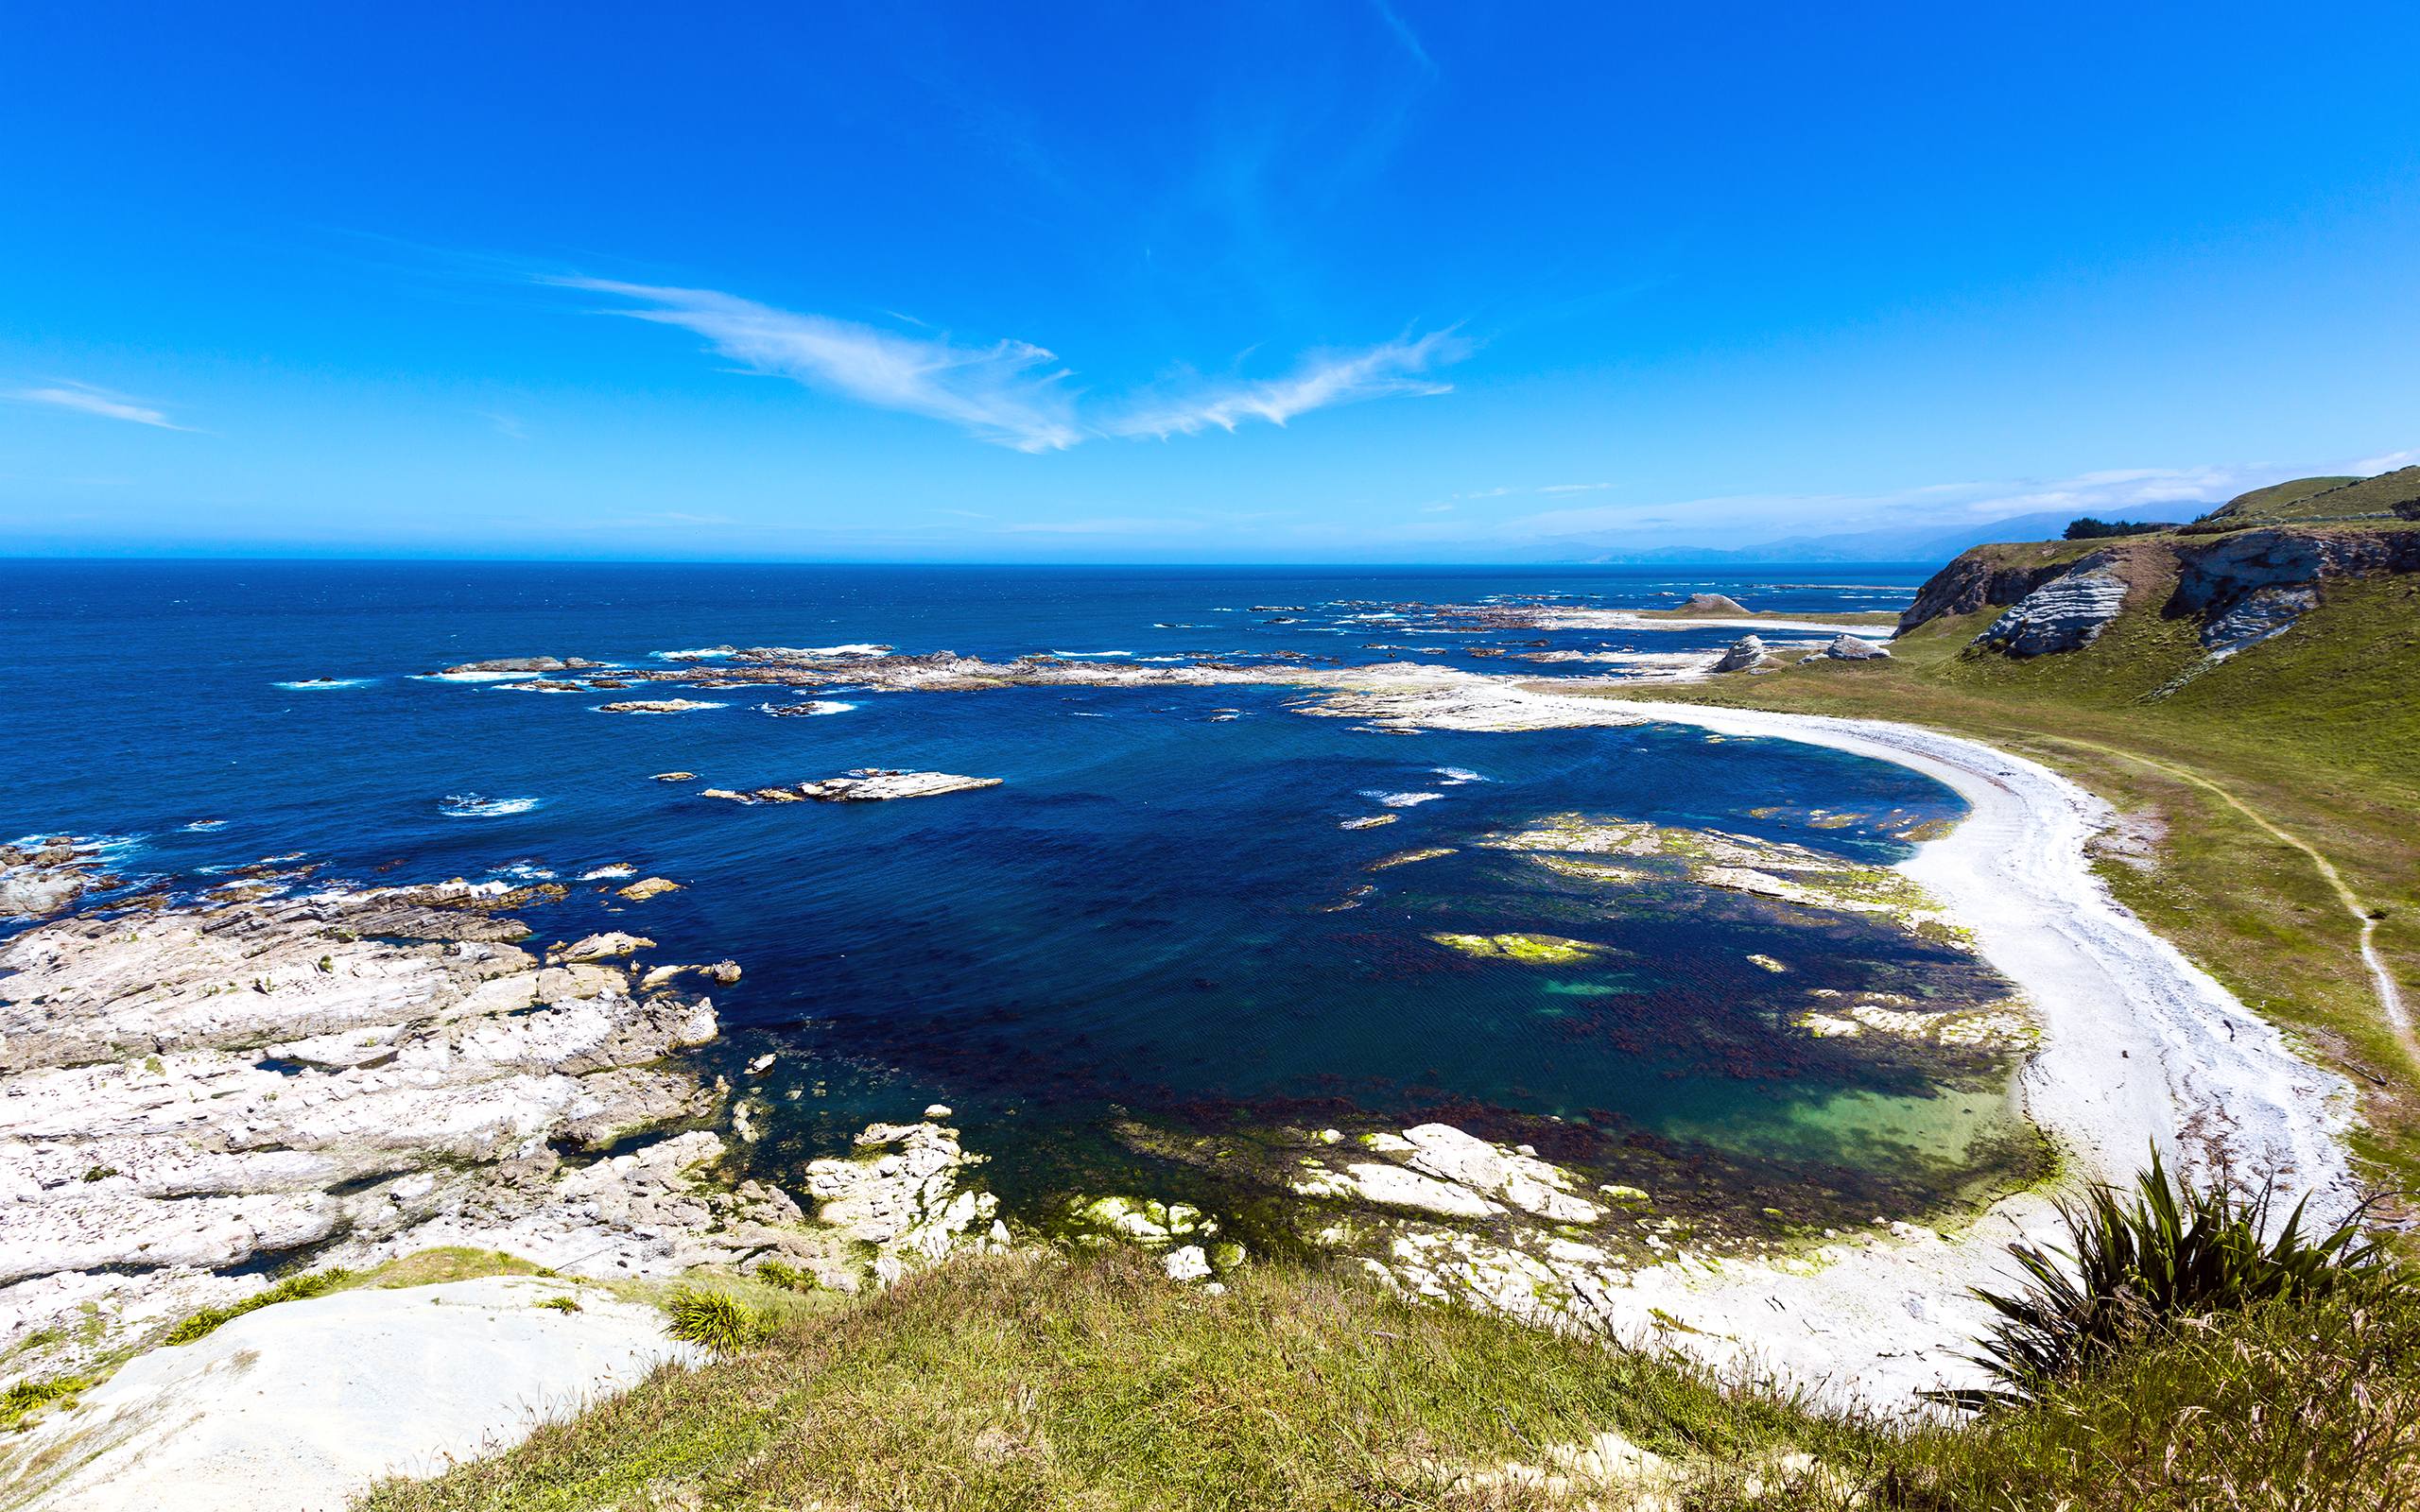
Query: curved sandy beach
point(2139, 1047)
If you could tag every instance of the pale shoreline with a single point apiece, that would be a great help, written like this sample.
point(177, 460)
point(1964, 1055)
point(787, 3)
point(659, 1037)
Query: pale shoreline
point(2139, 1047)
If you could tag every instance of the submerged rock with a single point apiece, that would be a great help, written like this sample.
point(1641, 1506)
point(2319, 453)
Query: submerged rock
point(1531, 950)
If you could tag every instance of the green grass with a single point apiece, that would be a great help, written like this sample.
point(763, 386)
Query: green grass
point(2278, 497)
point(2317, 730)
point(23, 1402)
point(1094, 1384)
point(294, 1288)
point(2327, 498)
point(450, 1263)
point(2301, 1404)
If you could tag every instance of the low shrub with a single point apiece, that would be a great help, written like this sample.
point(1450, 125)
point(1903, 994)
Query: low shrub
point(788, 1277)
point(719, 1322)
point(2172, 1254)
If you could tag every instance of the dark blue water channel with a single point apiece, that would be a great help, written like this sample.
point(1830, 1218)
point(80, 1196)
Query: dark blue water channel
point(1156, 919)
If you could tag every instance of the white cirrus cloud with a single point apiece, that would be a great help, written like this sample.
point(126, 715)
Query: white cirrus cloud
point(1015, 393)
point(1320, 381)
point(93, 400)
point(1011, 392)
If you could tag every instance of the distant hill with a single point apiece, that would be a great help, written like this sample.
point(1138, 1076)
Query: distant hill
point(2326, 498)
point(1907, 543)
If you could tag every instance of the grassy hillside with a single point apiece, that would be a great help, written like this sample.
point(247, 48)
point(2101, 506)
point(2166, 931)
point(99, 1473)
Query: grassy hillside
point(1095, 1385)
point(2316, 732)
point(2278, 496)
point(2325, 498)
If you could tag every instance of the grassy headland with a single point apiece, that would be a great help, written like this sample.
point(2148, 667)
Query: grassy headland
point(1093, 1383)
point(2315, 732)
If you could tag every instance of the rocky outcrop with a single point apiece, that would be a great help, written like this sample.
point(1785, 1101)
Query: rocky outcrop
point(2211, 579)
point(903, 1196)
point(1976, 580)
point(196, 1092)
point(2259, 615)
point(40, 878)
point(869, 785)
point(515, 665)
point(1746, 653)
point(2243, 587)
point(1849, 649)
point(2062, 614)
point(656, 706)
point(1710, 604)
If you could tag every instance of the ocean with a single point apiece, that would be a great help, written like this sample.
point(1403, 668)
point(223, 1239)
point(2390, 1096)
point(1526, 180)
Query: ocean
point(1153, 938)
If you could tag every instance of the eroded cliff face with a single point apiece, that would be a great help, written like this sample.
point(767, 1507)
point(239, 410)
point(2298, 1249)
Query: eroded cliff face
point(1979, 579)
point(2241, 589)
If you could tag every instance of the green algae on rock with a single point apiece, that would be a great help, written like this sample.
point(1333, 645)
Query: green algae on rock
point(1530, 950)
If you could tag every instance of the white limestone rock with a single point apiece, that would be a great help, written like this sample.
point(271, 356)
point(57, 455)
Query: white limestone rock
point(874, 784)
point(2064, 614)
point(1746, 653)
point(196, 1089)
point(903, 1196)
point(300, 1406)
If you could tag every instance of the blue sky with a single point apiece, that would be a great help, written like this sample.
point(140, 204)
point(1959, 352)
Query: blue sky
point(1355, 281)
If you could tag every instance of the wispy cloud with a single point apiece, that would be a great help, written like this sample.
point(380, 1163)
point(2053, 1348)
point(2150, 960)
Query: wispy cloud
point(1011, 392)
point(1403, 34)
point(1323, 380)
point(508, 427)
point(1015, 393)
point(90, 399)
point(1575, 487)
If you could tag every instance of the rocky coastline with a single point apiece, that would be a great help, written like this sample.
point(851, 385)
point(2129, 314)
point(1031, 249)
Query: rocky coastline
point(197, 1095)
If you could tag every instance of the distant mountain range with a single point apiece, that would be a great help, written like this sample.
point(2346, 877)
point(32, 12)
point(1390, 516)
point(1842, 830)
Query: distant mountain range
point(1905, 543)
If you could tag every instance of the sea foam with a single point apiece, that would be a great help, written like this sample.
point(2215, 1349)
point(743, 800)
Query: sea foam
point(471, 806)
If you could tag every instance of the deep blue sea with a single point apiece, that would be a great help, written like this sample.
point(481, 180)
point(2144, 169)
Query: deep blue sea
point(1140, 930)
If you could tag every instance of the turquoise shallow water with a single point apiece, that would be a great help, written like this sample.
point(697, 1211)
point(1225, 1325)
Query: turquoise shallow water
point(1142, 929)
